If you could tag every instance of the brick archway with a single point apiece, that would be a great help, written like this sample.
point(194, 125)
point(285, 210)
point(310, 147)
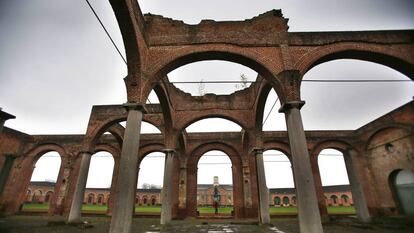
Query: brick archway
point(173, 58)
point(394, 59)
point(236, 161)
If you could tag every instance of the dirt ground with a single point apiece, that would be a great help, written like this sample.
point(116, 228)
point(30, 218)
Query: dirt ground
point(39, 224)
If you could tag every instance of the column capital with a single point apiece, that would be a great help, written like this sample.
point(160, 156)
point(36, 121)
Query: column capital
point(5, 116)
point(168, 150)
point(292, 104)
point(257, 150)
point(85, 152)
point(135, 106)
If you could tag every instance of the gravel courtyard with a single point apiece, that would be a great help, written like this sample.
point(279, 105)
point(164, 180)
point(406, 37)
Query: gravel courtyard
point(39, 224)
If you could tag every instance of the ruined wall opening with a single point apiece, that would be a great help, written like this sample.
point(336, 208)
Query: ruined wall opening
point(214, 124)
point(335, 182)
point(272, 120)
point(146, 128)
point(402, 184)
point(214, 184)
point(280, 182)
point(348, 105)
point(99, 183)
point(41, 190)
point(150, 183)
point(205, 72)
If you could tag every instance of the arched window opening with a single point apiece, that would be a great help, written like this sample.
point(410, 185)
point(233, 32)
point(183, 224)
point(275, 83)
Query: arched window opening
point(153, 98)
point(332, 168)
point(294, 200)
point(334, 200)
point(279, 180)
point(334, 177)
point(350, 105)
point(272, 119)
point(91, 199)
point(48, 196)
point(286, 201)
point(150, 181)
point(345, 199)
point(100, 199)
point(43, 181)
point(146, 128)
point(214, 124)
point(277, 201)
point(215, 181)
point(278, 170)
point(100, 175)
point(403, 187)
point(206, 72)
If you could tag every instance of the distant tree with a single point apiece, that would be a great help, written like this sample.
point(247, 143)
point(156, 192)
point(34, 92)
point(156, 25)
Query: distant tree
point(243, 82)
point(201, 88)
point(150, 186)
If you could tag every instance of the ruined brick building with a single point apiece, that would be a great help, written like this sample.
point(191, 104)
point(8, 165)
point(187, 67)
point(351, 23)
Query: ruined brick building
point(43, 191)
point(375, 154)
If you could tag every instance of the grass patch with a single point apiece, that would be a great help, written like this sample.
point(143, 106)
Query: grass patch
point(283, 210)
point(33, 206)
point(341, 210)
point(97, 208)
point(294, 210)
point(211, 210)
point(202, 210)
point(148, 209)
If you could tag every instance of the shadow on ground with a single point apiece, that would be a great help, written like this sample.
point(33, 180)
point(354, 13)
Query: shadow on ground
point(38, 224)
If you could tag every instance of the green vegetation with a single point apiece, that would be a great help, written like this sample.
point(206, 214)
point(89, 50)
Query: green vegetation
point(147, 209)
point(202, 210)
point(341, 210)
point(96, 208)
point(211, 210)
point(283, 210)
point(35, 207)
point(294, 210)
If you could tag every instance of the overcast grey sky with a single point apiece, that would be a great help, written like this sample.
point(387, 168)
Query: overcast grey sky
point(56, 62)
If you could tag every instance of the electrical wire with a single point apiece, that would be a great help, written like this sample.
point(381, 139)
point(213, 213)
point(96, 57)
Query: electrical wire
point(107, 33)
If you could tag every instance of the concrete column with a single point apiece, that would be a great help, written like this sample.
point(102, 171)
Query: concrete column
point(166, 193)
point(307, 201)
point(358, 196)
point(182, 187)
point(126, 184)
point(319, 189)
point(246, 185)
point(113, 186)
point(261, 183)
point(76, 207)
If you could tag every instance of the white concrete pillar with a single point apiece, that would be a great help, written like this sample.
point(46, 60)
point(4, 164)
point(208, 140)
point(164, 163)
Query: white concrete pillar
point(126, 183)
point(77, 201)
point(166, 208)
point(307, 201)
point(358, 196)
point(261, 184)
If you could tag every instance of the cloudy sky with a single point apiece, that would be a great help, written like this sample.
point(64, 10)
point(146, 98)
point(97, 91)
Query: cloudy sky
point(56, 62)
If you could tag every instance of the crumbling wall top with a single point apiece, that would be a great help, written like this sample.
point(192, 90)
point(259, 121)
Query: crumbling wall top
point(263, 28)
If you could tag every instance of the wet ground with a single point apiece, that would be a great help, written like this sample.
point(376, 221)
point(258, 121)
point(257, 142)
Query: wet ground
point(38, 224)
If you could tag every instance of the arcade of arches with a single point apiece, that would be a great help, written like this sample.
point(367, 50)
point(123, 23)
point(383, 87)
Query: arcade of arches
point(374, 154)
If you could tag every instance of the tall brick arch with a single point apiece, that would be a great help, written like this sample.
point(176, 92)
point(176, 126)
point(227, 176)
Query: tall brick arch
point(241, 120)
point(339, 145)
point(15, 193)
point(166, 60)
point(395, 58)
point(236, 161)
point(280, 146)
